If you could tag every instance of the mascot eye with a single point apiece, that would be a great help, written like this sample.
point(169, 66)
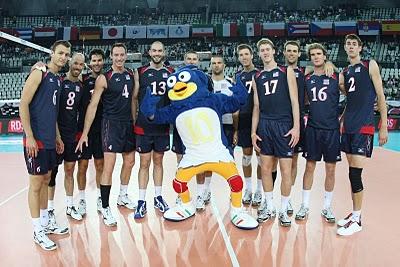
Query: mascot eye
point(184, 76)
point(171, 81)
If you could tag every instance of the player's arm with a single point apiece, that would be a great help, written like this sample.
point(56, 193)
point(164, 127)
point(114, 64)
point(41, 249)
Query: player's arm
point(28, 92)
point(135, 96)
point(59, 142)
point(99, 87)
point(294, 100)
point(255, 118)
point(377, 81)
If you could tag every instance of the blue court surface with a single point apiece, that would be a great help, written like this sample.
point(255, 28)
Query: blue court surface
point(13, 143)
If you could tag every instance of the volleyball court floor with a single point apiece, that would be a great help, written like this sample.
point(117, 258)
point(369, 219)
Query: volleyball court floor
point(209, 238)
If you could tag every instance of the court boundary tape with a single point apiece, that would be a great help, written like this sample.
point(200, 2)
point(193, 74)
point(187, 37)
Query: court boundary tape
point(13, 196)
point(228, 244)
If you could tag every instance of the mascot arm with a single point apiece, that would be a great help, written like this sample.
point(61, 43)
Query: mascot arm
point(149, 109)
point(230, 104)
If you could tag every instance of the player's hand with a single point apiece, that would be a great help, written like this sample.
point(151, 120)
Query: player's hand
point(149, 103)
point(82, 141)
point(383, 136)
point(31, 147)
point(294, 136)
point(59, 145)
point(235, 138)
point(39, 66)
point(329, 69)
point(254, 139)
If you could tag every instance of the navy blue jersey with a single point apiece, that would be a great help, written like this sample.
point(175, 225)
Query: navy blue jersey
point(117, 97)
point(87, 92)
point(43, 111)
point(246, 111)
point(70, 98)
point(323, 94)
point(301, 87)
point(273, 94)
point(359, 112)
point(156, 80)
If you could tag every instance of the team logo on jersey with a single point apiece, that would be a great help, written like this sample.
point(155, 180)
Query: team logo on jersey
point(110, 147)
point(127, 77)
point(150, 75)
point(51, 80)
point(66, 86)
point(312, 81)
point(263, 77)
point(358, 69)
point(165, 75)
point(297, 74)
point(289, 154)
point(91, 83)
point(361, 150)
point(77, 88)
point(326, 82)
point(275, 74)
point(117, 79)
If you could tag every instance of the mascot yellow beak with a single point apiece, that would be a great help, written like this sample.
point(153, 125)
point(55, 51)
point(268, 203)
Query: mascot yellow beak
point(182, 90)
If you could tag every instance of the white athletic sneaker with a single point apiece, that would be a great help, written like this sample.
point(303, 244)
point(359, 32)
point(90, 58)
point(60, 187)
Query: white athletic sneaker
point(345, 220)
point(328, 215)
point(108, 218)
point(43, 241)
point(180, 212)
point(99, 204)
point(200, 204)
point(246, 200)
point(125, 201)
point(207, 196)
point(242, 220)
point(350, 228)
point(53, 228)
point(265, 212)
point(73, 213)
point(257, 198)
point(82, 207)
point(302, 214)
point(284, 219)
point(290, 207)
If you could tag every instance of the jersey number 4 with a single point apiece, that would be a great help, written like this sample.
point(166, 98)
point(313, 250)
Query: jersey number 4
point(125, 92)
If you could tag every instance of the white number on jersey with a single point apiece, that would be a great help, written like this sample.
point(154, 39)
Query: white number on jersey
point(125, 92)
point(162, 85)
point(70, 100)
point(268, 85)
point(321, 95)
point(55, 98)
point(249, 85)
point(352, 82)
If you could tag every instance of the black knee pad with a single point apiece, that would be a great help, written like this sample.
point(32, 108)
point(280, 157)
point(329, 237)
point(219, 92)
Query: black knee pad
point(54, 172)
point(355, 179)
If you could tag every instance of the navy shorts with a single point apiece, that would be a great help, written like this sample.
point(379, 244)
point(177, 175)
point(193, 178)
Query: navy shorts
point(69, 154)
point(300, 145)
point(274, 143)
point(148, 143)
point(44, 162)
point(244, 138)
point(322, 143)
point(94, 148)
point(357, 144)
point(117, 136)
point(228, 131)
point(177, 144)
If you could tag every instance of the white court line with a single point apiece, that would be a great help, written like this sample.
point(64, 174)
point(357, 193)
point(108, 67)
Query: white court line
point(13, 196)
point(228, 244)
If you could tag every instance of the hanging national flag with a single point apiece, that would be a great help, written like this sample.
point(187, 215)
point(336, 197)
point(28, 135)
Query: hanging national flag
point(67, 33)
point(179, 31)
point(250, 29)
point(89, 33)
point(298, 28)
point(199, 30)
point(135, 32)
point(321, 28)
point(227, 30)
point(157, 31)
point(368, 27)
point(273, 29)
point(113, 32)
point(390, 27)
point(45, 34)
point(9, 31)
point(25, 33)
point(343, 28)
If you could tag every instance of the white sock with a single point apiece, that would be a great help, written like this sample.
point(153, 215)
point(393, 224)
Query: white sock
point(69, 201)
point(207, 182)
point(123, 190)
point(81, 194)
point(37, 226)
point(98, 192)
point(142, 194)
point(327, 199)
point(269, 197)
point(284, 203)
point(200, 189)
point(259, 185)
point(306, 198)
point(157, 190)
point(50, 204)
point(248, 184)
point(44, 217)
point(356, 215)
